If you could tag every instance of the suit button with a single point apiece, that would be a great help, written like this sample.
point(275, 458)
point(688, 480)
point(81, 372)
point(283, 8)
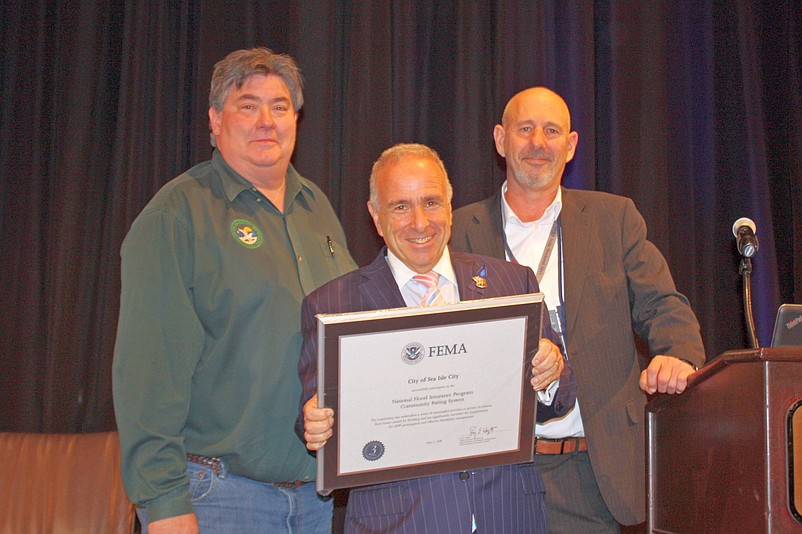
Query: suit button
point(558, 406)
point(464, 475)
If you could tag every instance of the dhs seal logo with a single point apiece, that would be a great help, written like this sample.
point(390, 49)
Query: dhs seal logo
point(373, 450)
point(246, 233)
point(413, 353)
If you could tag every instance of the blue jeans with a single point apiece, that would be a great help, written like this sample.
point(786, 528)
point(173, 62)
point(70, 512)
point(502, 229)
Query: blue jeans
point(225, 502)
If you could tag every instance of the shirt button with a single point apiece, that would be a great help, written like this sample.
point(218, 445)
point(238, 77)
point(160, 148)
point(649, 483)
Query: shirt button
point(464, 475)
point(300, 258)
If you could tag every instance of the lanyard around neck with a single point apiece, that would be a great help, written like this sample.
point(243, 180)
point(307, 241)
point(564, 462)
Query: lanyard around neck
point(544, 258)
point(555, 235)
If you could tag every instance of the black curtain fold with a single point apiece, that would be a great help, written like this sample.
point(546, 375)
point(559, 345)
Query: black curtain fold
point(693, 109)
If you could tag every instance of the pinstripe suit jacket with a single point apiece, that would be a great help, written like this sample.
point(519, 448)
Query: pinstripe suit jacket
point(616, 281)
point(506, 499)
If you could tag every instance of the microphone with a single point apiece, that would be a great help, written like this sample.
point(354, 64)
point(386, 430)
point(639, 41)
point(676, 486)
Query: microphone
point(744, 231)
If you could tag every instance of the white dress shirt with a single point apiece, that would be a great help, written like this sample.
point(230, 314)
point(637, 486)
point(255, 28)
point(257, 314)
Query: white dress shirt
point(527, 241)
point(413, 293)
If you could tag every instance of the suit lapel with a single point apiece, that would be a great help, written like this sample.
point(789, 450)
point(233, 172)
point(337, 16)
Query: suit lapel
point(377, 288)
point(465, 269)
point(488, 227)
point(576, 238)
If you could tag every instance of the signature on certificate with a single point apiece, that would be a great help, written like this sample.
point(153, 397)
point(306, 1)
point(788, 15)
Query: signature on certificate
point(481, 431)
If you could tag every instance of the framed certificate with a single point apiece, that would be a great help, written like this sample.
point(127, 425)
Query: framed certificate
point(425, 391)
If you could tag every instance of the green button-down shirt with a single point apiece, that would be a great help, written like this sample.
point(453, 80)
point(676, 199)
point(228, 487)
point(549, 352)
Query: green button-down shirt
point(208, 340)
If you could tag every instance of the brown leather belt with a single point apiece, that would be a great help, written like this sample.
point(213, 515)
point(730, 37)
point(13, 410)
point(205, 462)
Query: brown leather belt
point(217, 466)
point(214, 463)
point(560, 446)
point(288, 485)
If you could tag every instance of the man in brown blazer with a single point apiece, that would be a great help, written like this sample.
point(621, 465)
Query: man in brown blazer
point(603, 280)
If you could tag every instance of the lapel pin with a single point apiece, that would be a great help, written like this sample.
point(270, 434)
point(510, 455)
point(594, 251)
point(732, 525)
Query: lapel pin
point(479, 279)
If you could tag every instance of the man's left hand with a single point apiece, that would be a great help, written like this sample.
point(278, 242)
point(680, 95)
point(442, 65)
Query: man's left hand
point(666, 374)
point(547, 365)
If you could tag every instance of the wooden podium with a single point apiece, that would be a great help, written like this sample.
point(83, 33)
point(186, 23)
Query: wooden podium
point(726, 455)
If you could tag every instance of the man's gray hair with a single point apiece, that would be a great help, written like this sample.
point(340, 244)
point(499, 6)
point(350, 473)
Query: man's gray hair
point(400, 152)
point(234, 70)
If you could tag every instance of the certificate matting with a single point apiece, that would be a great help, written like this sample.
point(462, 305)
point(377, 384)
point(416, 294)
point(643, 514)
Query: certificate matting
point(425, 391)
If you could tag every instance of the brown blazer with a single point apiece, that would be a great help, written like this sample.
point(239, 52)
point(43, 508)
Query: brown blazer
point(616, 282)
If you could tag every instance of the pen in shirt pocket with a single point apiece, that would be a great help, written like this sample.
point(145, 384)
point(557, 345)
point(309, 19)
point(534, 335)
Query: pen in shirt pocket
point(331, 245)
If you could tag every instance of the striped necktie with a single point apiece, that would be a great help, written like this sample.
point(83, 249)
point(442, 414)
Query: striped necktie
point(432, 297)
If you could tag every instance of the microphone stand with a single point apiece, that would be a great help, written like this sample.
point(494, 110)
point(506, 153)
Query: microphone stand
point(745, 270)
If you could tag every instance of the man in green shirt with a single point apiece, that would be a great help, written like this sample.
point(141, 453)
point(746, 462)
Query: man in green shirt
point(214, 270)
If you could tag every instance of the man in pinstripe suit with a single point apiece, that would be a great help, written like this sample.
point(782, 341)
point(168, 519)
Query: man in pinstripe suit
point(411, 207)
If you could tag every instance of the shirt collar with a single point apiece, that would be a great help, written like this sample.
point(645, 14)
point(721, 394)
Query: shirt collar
point(549, 216)
point(233, 183)
point(403, 274)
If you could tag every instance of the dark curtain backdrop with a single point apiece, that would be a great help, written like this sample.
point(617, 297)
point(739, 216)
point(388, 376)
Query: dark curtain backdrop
point(692, 108)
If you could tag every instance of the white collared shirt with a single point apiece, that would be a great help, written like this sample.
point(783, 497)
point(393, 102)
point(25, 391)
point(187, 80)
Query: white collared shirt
point(447, 284)
point(527, 241)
